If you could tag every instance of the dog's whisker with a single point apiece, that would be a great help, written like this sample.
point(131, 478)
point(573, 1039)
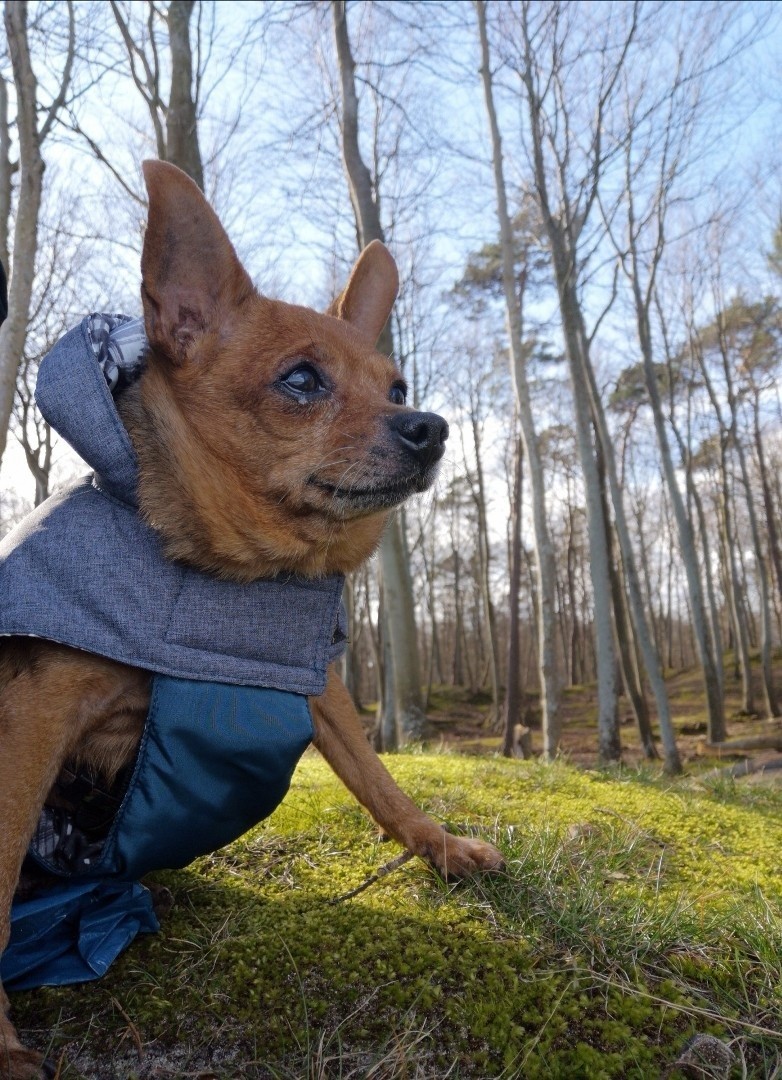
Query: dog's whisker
point(341, 483)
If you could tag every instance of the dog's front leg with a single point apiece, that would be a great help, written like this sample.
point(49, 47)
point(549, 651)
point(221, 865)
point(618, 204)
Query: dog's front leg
point(340, 738)
point(34, 739)
point(51, 699)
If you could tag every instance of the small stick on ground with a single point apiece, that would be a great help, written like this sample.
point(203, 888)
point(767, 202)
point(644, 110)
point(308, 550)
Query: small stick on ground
point(132, 1030)
point(387, 868)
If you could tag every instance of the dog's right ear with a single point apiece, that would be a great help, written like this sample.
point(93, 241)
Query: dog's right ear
point(191, 277)
point(369, 295)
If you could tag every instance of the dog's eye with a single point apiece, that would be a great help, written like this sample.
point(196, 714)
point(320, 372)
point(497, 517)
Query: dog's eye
point(397, 395)
point(303, 380)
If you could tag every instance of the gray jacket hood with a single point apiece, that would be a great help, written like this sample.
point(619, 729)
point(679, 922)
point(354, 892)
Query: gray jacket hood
point(85, 570)
point(74, 397)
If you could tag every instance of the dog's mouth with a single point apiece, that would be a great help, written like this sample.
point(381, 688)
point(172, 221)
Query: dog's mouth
point(351, 501)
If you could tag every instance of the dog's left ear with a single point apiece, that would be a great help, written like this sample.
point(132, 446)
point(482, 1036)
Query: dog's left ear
point(369, 295)
point(191, 277)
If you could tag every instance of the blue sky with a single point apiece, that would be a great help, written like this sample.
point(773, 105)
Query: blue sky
point(282, 195)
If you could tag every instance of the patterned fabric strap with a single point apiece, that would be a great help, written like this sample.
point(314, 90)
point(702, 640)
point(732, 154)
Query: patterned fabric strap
point(120, 345)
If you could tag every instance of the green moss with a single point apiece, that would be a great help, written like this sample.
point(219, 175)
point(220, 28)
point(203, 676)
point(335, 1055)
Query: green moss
point(634, 914)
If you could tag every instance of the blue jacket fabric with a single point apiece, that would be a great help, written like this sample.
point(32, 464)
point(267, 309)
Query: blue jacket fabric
point(214, 760)
point(231, 666)
point(74, 932)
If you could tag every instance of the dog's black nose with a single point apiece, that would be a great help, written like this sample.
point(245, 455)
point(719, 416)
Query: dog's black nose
point(422, 434)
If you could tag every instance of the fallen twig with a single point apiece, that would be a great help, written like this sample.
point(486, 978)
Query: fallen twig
point(387, 868)
point(744, 768)
point(751, 742)
point(132, 1030)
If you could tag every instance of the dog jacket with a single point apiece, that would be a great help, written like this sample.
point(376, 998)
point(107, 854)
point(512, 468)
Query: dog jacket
point(231, 667)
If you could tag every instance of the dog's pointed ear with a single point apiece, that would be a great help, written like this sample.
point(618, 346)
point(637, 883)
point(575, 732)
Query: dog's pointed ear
point(191, 277)
point(369, 295)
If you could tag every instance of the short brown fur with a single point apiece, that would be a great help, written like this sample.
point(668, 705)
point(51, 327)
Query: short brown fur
point(240, 480)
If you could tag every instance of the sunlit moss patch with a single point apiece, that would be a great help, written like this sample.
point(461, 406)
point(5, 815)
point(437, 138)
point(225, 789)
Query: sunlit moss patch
point(634, 914)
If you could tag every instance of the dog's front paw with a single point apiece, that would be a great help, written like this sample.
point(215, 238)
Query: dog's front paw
point(23, 1064)
point(459, 857)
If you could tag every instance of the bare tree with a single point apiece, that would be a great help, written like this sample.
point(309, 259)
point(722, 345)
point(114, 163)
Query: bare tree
point(182, 146)
point(474, 390)
point(513, 697)
point(566, 192)
point(760, 367)
point(727, 336)
point(514, 288)
point(175, 118)
point(7, 170)
point(32, 132)
point(657, 138)
point(56, 303)
point(397, 585)
point(34, 434)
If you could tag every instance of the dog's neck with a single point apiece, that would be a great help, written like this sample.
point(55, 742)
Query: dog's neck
point(241, 534)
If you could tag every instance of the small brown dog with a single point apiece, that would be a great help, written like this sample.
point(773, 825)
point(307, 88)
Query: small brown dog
point(258, 490)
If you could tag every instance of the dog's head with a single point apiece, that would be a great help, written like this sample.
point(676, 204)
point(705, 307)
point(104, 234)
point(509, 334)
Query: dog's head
point(270, 437)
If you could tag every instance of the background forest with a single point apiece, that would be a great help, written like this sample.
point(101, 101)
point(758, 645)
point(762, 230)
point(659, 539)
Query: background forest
point(584, 202)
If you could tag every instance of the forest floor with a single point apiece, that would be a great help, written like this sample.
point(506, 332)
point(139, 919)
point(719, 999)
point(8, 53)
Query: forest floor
point(636, 931)
point(460, 721)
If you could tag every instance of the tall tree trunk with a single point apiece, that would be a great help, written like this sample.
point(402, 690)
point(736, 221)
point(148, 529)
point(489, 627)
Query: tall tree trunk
point(513, 696)
point(609, 743)
point(769, 694)
point(174, 122)
point(41, 466)
point(402, 635)
point(640, 625)
point(458, 633)
point(625, 643)
point(638, 514)
point(703, 638)
point(695, 503)
point(349, 667)
point(31, 138)
point(435, 667)
point(182, 148)
point(484, 557)
point(386, 717)
point(741, 634)
point(25, 245)
point(397, 584)
point(768, 502)
point(576, 667)
point(562, 232)
point(544, 550)
point(734, 589)
point(564, 633)
point(6, 173)
point(711, 593)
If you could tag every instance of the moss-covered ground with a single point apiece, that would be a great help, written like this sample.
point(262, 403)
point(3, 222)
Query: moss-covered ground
point(634, 915)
